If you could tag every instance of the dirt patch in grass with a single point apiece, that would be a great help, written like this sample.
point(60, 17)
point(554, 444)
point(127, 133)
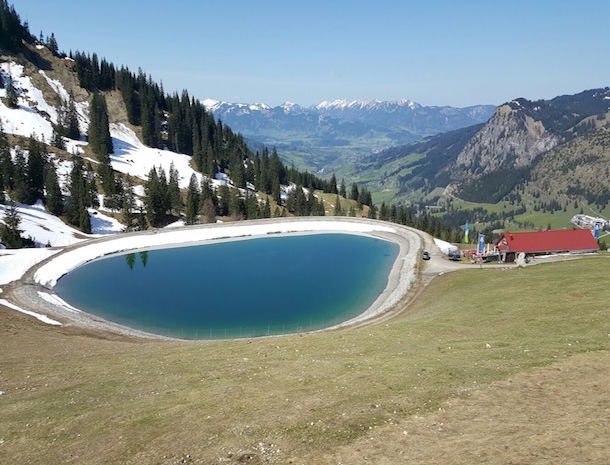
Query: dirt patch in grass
point(558, 414)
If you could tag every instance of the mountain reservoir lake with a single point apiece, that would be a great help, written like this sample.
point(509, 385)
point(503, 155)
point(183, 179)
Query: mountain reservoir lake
point(239, 288)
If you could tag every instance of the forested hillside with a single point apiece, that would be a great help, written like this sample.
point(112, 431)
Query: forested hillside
point(106, 149)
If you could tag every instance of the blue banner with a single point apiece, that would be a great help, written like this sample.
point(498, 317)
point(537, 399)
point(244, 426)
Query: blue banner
point(481, 248)
point(596, 230)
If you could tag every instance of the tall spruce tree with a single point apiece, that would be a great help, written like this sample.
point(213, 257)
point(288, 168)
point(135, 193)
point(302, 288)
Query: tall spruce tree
point(338, 209)
point(10, 234)
point(20, 181)
point(11, 94)
point(173, 189)
point(355, 194)
point(129, 204)
point(6, 163)
point(54, 197)
point(192, 201)
point(35, 171)
point(71, 126)
point(99, 130)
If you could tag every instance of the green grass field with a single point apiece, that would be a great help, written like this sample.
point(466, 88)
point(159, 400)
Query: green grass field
point(77, 397)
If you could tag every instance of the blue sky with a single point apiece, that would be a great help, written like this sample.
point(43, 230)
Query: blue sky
point(434, 52)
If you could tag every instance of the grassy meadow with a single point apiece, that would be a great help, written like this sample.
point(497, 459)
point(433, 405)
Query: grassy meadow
point(71, 396)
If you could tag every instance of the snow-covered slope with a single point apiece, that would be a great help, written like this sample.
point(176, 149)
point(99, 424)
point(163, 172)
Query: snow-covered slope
point(44, 228)
point(29, 117)
point(132, 157)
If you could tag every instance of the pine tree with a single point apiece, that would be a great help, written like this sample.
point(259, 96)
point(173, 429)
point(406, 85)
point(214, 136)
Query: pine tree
point(192, 201)
point(223, 200)
point(173, 189)
point(35, 171)
point(342, 192)
point(99, 130)
point(20, 182)
point(333, 185)
point(354, 194)
point(6, 164)
point(266, 209)
point(72, 130)
point(338, 210)
point(129, 204)
point(54, 197)
point(11, 94)
point(10, 234)
point(84, 220)
point(252, 208)
point(236, 206)
point(52, 45)
point(57, 140)
point(80, 196)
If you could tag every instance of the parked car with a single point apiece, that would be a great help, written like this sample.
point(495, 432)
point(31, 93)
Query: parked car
point(454, 255)
point(425, 255)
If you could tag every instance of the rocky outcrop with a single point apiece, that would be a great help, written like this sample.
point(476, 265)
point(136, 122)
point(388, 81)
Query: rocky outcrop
point(511, 138)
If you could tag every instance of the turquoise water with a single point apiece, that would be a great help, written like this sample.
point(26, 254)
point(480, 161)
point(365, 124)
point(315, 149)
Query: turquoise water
point(245, 288)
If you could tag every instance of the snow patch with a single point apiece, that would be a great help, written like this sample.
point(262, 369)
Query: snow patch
point(132, 157)
point(48, 274)
point(43, 227)
point(38, 316)
point(15, 262)
point(56, 300)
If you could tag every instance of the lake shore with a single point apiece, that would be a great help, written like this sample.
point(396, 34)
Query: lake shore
point(34, 291)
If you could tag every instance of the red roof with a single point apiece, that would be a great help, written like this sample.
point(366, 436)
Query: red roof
point(561, 240)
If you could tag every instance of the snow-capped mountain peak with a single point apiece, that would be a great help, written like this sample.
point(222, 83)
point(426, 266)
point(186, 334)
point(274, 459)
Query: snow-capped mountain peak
point(343, 104)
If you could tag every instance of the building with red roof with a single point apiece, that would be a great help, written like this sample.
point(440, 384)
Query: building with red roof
point(545, 242)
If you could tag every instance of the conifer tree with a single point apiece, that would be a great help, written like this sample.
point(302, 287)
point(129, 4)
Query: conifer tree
point(6, 163)
point(54, 197)
point(252, 208)
point(52, 45)
point(77, 192)
point(192, 201)
point(275, 190)
point(142, 224)
point(354, 194)
point(173, 189)
point(342, 192)
point(35, 171)
point(10, 234)
point(84, 219)
point(210, 163)
point(57, 140)
point(338, 210)
point(332, 187)
point(11, 94)
point(99, 130)
point(236, 206)
point(266, 213)
point(156, 196)
point(72, 130)
point(20, 182)
point(129, 204)
point(223, 200)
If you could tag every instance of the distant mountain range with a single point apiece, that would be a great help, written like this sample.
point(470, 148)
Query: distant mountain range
point(557, 150)
point(322, 136)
